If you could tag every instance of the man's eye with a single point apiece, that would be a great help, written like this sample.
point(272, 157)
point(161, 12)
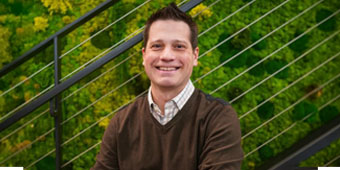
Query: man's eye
point(156, 46)
point(180, 46)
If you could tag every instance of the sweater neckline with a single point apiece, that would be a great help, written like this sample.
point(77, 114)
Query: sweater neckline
point(177, 117)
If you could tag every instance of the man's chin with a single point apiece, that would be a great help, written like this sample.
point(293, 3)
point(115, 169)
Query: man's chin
point(165, 84)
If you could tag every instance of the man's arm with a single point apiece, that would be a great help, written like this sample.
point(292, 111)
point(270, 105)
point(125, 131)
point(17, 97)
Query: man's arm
point(222, 148)
point(107, 157)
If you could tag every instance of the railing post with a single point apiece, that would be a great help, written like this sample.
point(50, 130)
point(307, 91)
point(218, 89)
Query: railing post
point(55, 105)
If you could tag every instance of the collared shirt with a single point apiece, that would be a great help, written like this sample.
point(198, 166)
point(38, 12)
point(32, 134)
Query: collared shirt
point(171, 107)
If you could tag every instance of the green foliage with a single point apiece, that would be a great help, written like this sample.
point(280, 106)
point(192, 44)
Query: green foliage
point(258, 70)
point(301, 44)
point(273, 65)
point(241, 40)
point(3, 84)
point(102, 40)
point(303, 109)
point(234, 92)
point(18, 7)
point(266, 152)
point(238, 61)
point(328, 113)
point(46, 163)
point(260, 45)
point(5, 46)
point(313, 118)
point(330, 24)
point(224, 48)
point(266, 110)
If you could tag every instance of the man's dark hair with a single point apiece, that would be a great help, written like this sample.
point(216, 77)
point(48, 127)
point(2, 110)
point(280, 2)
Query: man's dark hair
point(172, 12)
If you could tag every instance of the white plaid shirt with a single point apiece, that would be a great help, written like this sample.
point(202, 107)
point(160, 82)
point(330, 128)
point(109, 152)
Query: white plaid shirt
point(171, 107)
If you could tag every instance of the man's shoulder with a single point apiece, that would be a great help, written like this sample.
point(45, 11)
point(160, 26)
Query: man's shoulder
point(132, 106)
point(211, 99)
point(210, 106)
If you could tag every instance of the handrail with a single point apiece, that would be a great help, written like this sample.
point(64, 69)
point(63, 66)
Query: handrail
point(64, 31)
point(81, 74)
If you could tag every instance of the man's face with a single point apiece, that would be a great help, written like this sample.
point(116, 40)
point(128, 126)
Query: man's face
point(168, 58)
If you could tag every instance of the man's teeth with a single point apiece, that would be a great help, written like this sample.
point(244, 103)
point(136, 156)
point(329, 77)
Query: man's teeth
point(167, 68)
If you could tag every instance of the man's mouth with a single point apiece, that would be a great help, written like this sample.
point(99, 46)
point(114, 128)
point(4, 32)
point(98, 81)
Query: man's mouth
point(168, 68)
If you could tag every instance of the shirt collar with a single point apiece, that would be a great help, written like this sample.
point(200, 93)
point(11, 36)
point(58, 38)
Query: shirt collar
point(180, 99)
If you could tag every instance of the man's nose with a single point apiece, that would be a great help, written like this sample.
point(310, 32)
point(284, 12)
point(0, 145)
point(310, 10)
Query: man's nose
point(167, 54)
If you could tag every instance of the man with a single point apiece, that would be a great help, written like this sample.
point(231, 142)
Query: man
point(174, 126)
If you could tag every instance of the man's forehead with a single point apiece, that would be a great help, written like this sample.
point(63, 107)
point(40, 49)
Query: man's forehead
point(172, 41)
point(169, 29)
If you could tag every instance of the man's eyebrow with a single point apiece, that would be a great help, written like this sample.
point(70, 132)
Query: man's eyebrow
point(181, 41)
point(155, 41)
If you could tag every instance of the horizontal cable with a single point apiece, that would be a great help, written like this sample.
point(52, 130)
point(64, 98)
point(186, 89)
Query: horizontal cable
point(95, 123)
point(119, 19)
point(27, 78)
point(30, 144)
point(253, 44)
point(331, 161)
point(292, 62)
point(52, 62)
point(83, 131)
point(270, 98)
point(81, 154)
point(22, 126)
point(22, 105)
point(290, 42)
point(102, 53)
point(102, 97)
point(212, 4)
point(292, 125)
point(34, 162)
point(304, 97)
point(102, 74)
point(236, 33)
point(224, 19)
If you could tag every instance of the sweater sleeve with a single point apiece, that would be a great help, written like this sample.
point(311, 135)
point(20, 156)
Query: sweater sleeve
point(222, 147)
point(107, 157)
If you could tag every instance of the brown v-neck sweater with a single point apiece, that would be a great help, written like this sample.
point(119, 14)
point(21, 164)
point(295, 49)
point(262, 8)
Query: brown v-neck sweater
point(205, 134)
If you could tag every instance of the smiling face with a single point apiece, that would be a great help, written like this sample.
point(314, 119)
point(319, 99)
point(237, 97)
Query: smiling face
point(168, 58)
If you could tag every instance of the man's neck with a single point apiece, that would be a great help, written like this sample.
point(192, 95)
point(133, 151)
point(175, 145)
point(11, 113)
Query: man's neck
point(162, 95)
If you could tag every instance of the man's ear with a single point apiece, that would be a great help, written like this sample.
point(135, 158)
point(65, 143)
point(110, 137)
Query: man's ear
point(143, 53)
point(196, 52)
